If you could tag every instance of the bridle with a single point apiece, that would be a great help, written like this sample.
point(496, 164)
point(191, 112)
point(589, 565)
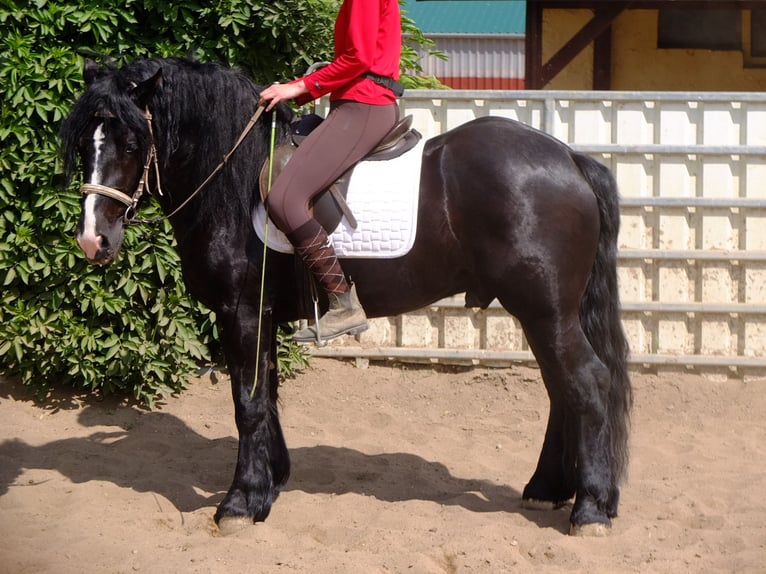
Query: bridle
point(131, 201)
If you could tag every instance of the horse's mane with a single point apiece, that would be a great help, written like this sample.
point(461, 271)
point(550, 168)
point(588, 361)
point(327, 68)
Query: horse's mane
point(199, 111)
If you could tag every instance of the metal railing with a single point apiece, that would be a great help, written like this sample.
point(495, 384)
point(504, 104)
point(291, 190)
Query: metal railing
point(672, 138)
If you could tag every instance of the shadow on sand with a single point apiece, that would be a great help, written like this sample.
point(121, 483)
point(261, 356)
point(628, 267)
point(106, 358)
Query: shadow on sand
point(158, 452)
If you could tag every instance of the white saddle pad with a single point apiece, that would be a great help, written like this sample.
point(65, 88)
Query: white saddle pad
point(383, 196)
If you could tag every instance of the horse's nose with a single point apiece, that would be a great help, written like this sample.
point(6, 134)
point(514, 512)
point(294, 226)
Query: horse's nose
point(91, 244)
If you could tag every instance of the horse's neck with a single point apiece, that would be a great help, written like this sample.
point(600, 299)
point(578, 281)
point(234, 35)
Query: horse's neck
point(222, 204)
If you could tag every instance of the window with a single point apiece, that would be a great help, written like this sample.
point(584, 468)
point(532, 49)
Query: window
point(715, 29)
point(758, 33)
point(754, 38)
point(704, 29)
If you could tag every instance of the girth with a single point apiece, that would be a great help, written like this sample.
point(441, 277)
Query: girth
point(329, 206)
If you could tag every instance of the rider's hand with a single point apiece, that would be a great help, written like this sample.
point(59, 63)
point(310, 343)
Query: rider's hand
point(276, 93)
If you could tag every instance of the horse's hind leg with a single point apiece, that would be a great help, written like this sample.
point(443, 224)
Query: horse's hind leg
point(575, 458)
point(554, 481)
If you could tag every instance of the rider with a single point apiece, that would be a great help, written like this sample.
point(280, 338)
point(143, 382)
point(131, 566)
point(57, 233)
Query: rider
point(362, 111)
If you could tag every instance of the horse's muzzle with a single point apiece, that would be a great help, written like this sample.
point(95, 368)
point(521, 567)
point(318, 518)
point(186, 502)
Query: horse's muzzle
point(96, 248)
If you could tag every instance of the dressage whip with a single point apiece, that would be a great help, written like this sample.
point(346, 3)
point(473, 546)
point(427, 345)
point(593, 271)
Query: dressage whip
point(265, 248)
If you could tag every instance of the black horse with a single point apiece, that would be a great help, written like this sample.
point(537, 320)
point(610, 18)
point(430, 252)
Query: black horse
point(506, 212)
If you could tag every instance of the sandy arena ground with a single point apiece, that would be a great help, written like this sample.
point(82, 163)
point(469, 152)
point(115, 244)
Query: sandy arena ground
point(398, 469)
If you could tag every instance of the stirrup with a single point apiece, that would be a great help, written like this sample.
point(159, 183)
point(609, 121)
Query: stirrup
point(353, 324)
point(318, 341)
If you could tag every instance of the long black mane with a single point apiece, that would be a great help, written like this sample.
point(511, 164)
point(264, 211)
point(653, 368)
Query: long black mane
point(198, 111)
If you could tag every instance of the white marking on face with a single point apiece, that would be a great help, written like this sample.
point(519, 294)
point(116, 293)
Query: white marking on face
point(98, 143)
point(88, 239)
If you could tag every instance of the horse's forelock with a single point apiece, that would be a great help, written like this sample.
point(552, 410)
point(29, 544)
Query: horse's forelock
point(107, 96)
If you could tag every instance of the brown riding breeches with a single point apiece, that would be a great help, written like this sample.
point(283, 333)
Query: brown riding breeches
point(350, 131)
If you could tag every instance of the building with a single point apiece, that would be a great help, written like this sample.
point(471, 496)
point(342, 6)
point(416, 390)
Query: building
point(644, 45)
point(482, 39)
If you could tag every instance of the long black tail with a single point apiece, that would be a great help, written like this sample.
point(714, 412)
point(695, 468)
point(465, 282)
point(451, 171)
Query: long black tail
point(600, 311)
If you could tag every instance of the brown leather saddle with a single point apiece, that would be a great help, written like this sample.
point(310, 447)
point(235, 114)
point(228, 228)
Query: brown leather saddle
point(330, 206)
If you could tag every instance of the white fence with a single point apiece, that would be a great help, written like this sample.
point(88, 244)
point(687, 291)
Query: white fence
point(692, 173)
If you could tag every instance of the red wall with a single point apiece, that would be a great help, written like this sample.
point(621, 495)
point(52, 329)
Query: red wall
point(483, 83)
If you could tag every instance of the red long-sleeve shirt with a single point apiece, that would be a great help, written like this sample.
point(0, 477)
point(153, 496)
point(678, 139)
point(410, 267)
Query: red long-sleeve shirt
point(368, 38)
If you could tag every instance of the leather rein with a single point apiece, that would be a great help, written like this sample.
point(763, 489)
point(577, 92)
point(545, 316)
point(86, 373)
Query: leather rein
point(131, 201)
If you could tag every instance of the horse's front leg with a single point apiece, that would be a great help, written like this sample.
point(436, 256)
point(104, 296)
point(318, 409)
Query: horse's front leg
point(263, 463)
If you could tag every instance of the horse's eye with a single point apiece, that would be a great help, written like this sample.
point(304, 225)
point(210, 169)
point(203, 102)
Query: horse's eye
point(131, 147)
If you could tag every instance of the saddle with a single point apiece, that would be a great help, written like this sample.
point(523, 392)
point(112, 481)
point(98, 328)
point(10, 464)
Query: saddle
point(330, 206)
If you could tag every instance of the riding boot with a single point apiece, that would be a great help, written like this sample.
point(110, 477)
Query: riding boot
point(345, 315)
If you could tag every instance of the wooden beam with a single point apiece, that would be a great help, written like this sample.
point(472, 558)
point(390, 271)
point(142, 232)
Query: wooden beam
point(602, 59)
point(600, 22)
point(533, 47)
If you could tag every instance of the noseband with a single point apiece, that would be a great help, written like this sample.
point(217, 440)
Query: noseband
point(131, 202)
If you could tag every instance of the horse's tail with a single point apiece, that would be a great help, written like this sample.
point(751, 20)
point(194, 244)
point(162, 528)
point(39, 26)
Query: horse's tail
point(600, 310)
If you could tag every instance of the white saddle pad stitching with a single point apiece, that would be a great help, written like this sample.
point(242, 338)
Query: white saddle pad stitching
point(383, 195)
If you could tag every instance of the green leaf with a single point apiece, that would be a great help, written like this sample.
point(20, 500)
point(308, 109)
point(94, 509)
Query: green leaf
point(61, 320)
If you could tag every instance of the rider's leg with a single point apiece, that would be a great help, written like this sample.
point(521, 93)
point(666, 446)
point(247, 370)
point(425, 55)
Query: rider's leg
point(350, 131)
point(345, 314)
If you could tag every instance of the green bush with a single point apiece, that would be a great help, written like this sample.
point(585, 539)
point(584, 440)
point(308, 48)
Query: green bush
point(130, 326)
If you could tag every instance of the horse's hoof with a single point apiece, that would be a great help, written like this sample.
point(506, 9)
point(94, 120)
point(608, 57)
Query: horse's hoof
point(534, 504)
point(592, 530)
point(229, 525)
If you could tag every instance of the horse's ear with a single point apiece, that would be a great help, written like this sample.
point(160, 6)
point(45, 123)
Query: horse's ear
point(144, 91)
point(89, 71)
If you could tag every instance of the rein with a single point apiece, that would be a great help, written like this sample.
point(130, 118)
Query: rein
point(131, 202)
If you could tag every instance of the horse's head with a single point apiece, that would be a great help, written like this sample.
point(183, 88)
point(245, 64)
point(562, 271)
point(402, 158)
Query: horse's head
point(109, 131)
